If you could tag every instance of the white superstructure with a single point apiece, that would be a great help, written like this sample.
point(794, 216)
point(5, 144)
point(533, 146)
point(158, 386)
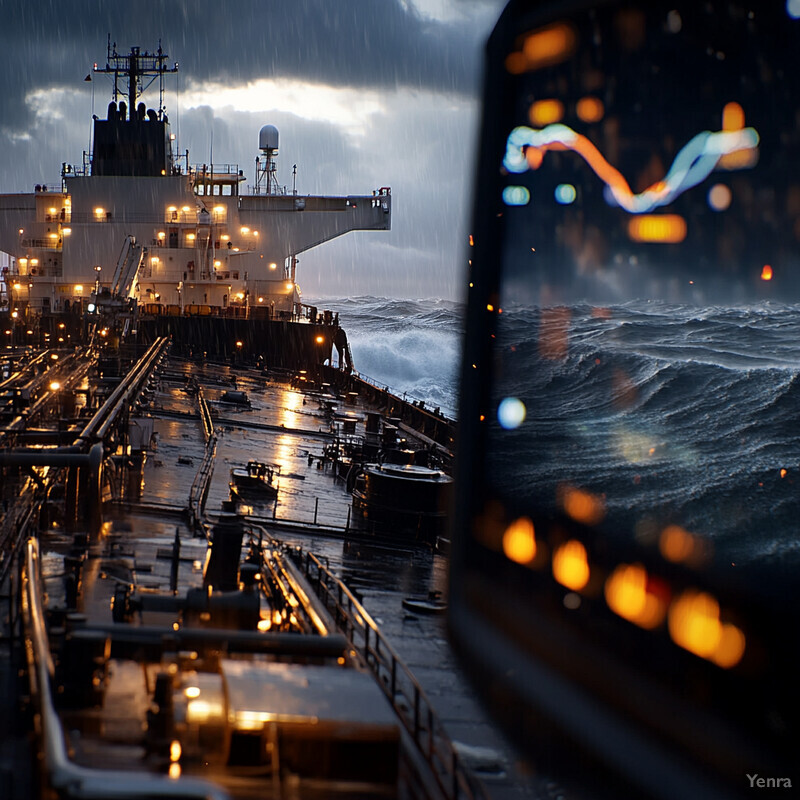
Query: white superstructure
point(209, 247)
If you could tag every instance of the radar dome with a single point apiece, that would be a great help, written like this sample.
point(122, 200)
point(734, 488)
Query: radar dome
point(268, 138)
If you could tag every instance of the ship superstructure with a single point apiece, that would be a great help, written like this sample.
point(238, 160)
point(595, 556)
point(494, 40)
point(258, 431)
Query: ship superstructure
point(205, 246)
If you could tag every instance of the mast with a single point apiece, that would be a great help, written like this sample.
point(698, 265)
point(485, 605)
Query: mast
point(133, 141)
point(135, 69)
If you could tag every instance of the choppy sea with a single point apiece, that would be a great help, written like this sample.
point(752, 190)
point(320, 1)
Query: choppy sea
point(411, 346)
point(690, 415)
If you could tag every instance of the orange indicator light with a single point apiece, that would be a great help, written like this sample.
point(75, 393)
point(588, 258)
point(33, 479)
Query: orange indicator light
point(666, 228)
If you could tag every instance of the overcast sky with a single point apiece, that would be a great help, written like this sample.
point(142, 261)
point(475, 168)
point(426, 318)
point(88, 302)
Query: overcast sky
point(365, 93)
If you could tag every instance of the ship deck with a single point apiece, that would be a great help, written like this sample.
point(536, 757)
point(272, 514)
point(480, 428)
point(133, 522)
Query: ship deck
point(284, 426)
point(287, 427)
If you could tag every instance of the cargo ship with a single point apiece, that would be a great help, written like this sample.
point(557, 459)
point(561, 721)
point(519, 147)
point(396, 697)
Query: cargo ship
point(168, 247)
point(166, 640)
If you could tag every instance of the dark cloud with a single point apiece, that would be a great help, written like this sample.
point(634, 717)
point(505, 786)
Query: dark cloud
point(369, 43)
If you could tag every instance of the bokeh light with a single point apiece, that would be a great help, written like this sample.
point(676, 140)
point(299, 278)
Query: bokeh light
point(519, 541)
point(719, 197)
point(582, 506)
point(545, 112)
point(516, 196)
point(667, 228)
point(590, 109)
point(571, 566)
point(565, 194)
point(511, 413)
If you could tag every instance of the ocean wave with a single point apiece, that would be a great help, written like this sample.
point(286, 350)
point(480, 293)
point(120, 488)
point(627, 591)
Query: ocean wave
point(691, 414)
point(410, 345)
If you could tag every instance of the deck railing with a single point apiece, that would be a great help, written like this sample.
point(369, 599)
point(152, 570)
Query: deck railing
point(198, 493)
point(398, 683)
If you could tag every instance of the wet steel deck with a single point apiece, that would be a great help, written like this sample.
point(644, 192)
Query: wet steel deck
point(283, 426)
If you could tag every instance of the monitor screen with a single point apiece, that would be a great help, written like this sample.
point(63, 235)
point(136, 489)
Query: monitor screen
point(628, 502)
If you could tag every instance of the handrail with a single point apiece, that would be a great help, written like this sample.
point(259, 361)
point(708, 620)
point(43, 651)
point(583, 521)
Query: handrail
point(202, 480)
point(405, 396)
point(399, 684)
point(83, 783)
point(205, 414)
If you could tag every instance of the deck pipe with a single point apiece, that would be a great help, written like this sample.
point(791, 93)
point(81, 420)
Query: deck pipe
point(66, 777)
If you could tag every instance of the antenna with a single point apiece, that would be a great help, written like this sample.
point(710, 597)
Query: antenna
point(136, 67)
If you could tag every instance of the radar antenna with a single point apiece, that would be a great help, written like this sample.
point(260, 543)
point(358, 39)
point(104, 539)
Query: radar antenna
point(135, 73)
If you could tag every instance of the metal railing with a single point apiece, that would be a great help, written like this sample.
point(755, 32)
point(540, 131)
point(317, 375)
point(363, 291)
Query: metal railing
point(198, 493)
point(447, 414)
point(405, 694)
